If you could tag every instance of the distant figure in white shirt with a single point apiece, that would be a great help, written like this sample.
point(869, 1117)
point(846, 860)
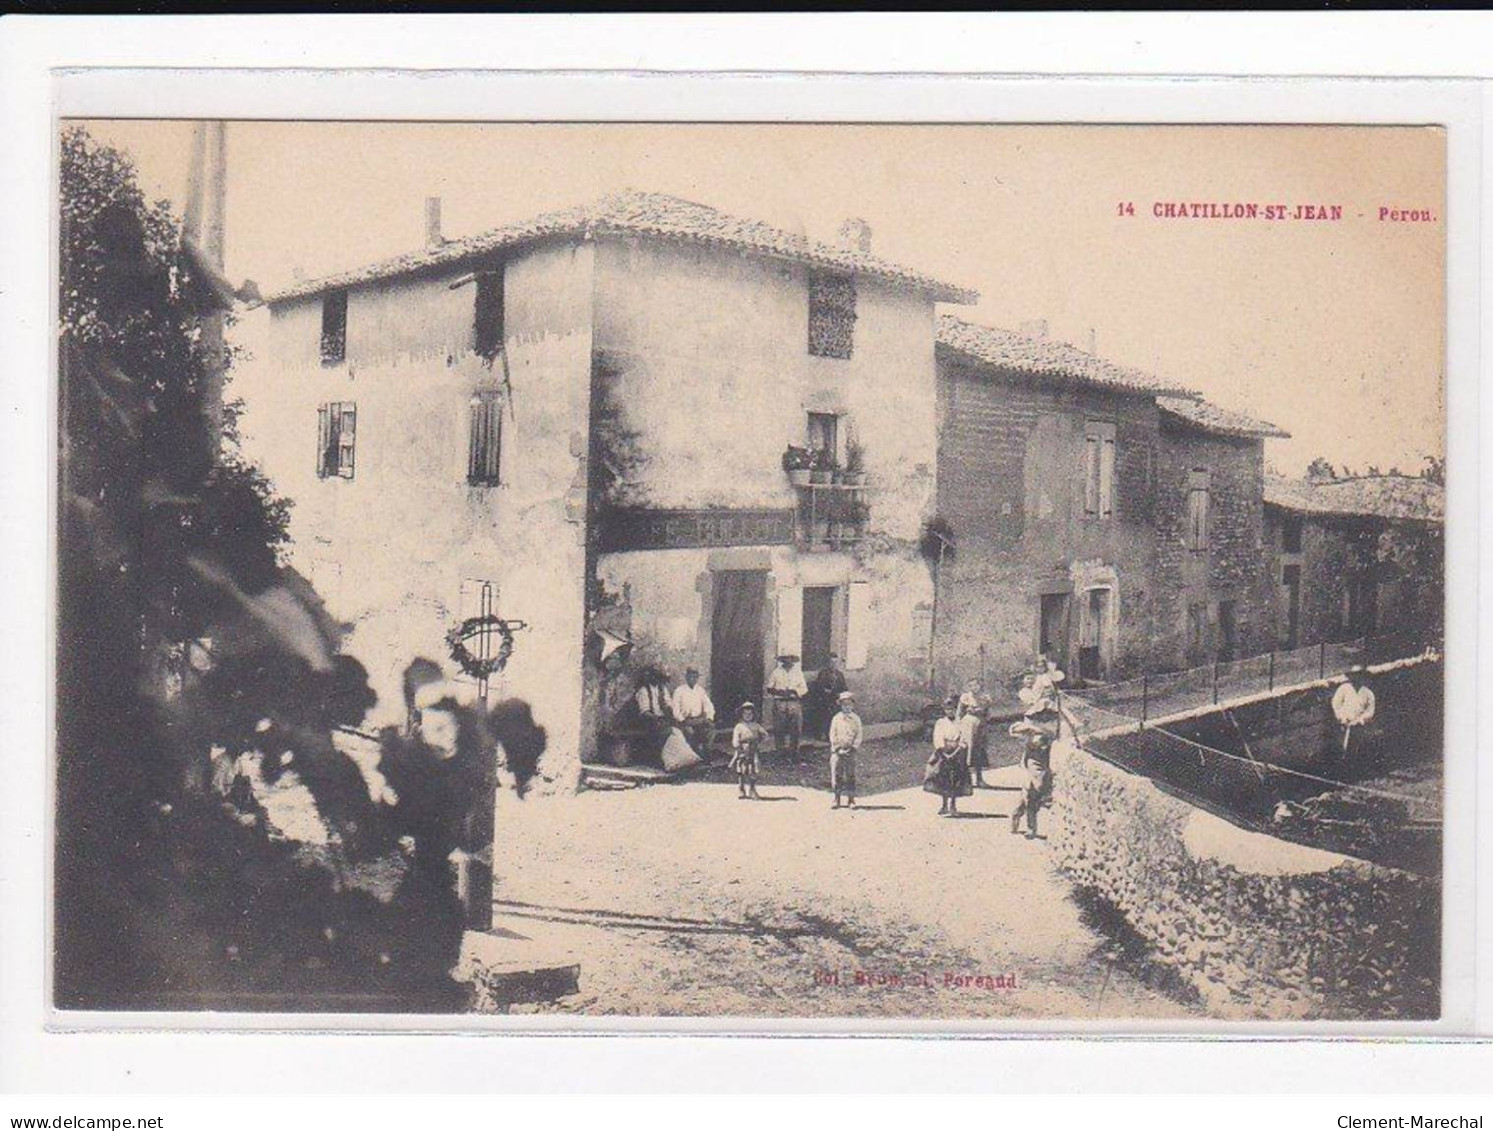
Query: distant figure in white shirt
point(694, 712)
point(787, 689)
point(1353, 703)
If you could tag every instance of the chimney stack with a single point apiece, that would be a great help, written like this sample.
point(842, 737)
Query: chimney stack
point(1034, 328)
point(433, 237)
point(855, 235)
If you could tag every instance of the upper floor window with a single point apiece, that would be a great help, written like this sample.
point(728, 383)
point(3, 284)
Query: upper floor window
point(831, 314)
point(1290, 534)
point(333, 327)
point(824, 435)
point(1197, 509)
point(1099, 469)
point(485, 445)
point(336, 439)
point(487, 322)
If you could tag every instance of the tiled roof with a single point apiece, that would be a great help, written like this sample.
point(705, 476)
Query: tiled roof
point(646, 214)
point(1044, 357)
point(1211, 418)
point(1383, 496)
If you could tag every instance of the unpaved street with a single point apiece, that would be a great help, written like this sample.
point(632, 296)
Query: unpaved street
point(681, 900)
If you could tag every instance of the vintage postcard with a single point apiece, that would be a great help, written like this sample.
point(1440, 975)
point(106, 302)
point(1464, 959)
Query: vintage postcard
point(948, 573)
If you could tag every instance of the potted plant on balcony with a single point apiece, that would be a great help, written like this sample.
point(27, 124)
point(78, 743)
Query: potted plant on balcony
point(822, 470)
point(854, 474)
point(799, 464)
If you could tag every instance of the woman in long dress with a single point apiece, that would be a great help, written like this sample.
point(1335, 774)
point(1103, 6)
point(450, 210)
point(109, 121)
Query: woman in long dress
point(947, 773)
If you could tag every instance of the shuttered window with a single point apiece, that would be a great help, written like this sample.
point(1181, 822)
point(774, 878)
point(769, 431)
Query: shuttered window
point(1099, 469)
point(485, 444)
point(1197, 509)
point(336, 439)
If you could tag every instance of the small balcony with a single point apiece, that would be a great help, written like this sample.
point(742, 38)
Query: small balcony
point(831, 516)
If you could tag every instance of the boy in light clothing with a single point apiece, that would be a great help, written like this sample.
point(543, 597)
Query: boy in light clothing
point(845, 733)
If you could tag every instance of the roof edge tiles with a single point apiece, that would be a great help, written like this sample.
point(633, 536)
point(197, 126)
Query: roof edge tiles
point(1401, 497)
point(1210, 417)
point(1046, 358)
point(649, 214)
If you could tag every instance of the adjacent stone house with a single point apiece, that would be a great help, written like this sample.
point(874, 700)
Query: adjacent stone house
point(579, 424)
point(1355, 557)
point(1100, 516)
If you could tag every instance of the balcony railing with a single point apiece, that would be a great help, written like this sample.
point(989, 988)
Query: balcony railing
point(831, 516)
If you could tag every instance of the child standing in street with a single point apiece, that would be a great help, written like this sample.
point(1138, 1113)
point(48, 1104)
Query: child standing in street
point(746, 741)
point(947, 773)
point(974, 704)
point(845, 733)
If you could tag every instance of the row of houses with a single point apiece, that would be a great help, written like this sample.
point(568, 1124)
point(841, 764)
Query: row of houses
point(644, 433)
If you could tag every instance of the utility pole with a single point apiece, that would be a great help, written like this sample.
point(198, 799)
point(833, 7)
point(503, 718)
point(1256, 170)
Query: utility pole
point(203, 230)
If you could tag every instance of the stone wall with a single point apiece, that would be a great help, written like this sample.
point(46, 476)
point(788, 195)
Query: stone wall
point(1260, 928)
point(1234, 567)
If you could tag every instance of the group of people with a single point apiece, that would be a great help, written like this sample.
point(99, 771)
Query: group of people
point(961, 744)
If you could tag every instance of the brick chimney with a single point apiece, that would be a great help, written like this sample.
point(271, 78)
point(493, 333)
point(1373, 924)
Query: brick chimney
point(433, 237)
point(855, 235)
point(1034, 328)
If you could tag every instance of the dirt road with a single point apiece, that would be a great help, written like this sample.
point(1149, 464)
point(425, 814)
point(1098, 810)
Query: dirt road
point(681, 900)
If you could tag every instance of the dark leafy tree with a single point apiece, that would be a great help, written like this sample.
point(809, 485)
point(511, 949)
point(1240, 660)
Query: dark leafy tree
point(195, 673)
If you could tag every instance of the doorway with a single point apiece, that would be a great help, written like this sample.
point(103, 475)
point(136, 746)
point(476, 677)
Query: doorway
point(1093, 644)
point(736, 638)
point(1052, 628)
point(1228, 632)
point(819, 626)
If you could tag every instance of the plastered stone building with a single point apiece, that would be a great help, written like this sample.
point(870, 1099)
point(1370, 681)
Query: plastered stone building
point(579, 424)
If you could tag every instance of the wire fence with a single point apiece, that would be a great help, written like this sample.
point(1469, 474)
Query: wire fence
point(1168, 693)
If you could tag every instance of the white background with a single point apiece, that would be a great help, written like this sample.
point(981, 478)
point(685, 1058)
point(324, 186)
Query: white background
point(1196, 45)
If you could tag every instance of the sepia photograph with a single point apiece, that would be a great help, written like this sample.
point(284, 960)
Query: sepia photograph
point(730, 571)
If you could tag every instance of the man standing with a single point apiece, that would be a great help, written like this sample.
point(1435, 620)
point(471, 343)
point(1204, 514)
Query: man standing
point(824, 695)
point(694, 712)
point(845, 733)
point(1353, 703)
point(1039, 728)
point(787, 689)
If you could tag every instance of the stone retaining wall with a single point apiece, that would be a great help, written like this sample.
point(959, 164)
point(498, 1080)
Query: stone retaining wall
point(1260, 927)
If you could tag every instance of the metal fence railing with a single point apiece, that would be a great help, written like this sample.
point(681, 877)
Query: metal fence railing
point(1167, 693)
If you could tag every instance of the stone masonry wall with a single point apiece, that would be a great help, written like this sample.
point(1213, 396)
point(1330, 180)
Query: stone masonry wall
point(1261, 928)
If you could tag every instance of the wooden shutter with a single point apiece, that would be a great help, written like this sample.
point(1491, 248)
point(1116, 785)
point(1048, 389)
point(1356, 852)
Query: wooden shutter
point(1091, 475)
point(857, 625)
point(790, 620)
point(323, 439)
point(1107, 478)
point(347, 437)
point(485, 441)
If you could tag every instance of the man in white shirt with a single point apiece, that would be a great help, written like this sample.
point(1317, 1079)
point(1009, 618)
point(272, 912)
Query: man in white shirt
point(787, 689)
point(694, 712)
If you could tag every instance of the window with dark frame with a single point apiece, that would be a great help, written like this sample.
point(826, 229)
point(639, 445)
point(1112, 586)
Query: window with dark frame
point(336, 439)
point(831, 314)
point(1099, 469)
point(485, 445)
point(334, 328)
point(824, 435)
point(1197, 509)
point(487, 321)
point(1290, 535)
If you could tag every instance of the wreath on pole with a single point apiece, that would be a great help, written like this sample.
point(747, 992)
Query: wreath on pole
point(482, 667)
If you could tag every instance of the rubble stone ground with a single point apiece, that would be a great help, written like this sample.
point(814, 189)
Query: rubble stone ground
point(680, 900)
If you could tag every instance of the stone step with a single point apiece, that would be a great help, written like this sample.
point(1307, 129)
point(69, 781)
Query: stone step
point(507, 967)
